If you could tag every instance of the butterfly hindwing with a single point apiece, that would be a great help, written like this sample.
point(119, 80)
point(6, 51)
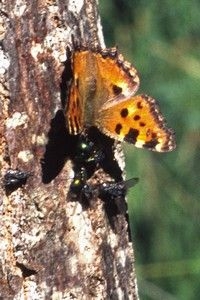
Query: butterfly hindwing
point(137, 120)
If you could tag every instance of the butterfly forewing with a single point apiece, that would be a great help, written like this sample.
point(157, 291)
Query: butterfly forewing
point(117, 76)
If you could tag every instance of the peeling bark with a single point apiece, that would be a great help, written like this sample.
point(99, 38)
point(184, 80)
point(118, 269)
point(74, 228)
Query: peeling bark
point(51, 245)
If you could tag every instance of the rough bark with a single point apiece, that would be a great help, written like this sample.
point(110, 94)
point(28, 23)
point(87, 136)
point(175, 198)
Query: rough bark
point(51, 245)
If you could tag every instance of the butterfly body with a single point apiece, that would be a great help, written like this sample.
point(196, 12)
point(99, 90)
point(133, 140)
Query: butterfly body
point(102, 94)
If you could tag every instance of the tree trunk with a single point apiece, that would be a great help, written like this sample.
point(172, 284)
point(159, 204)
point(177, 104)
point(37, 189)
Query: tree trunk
point(52, 246)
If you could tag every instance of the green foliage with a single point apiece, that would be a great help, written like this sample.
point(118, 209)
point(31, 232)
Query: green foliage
point(162, 39)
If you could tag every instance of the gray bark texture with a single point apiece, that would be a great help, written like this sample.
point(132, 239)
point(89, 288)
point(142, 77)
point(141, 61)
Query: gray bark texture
point(51, 247)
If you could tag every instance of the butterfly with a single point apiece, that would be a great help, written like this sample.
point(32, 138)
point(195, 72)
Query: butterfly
point(102, 94)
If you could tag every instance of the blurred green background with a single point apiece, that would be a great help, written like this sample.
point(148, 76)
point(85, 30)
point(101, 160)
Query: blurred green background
point(162, 40)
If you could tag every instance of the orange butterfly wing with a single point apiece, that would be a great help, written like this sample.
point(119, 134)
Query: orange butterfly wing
point(136, 120)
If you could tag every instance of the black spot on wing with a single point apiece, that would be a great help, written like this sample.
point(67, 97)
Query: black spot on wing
point(124, 112)
point(142, 124)
point(116, 89)
point(151, 144)
point(139, 105)
point(118, 128)
point(131, 136)
point(136, 118)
